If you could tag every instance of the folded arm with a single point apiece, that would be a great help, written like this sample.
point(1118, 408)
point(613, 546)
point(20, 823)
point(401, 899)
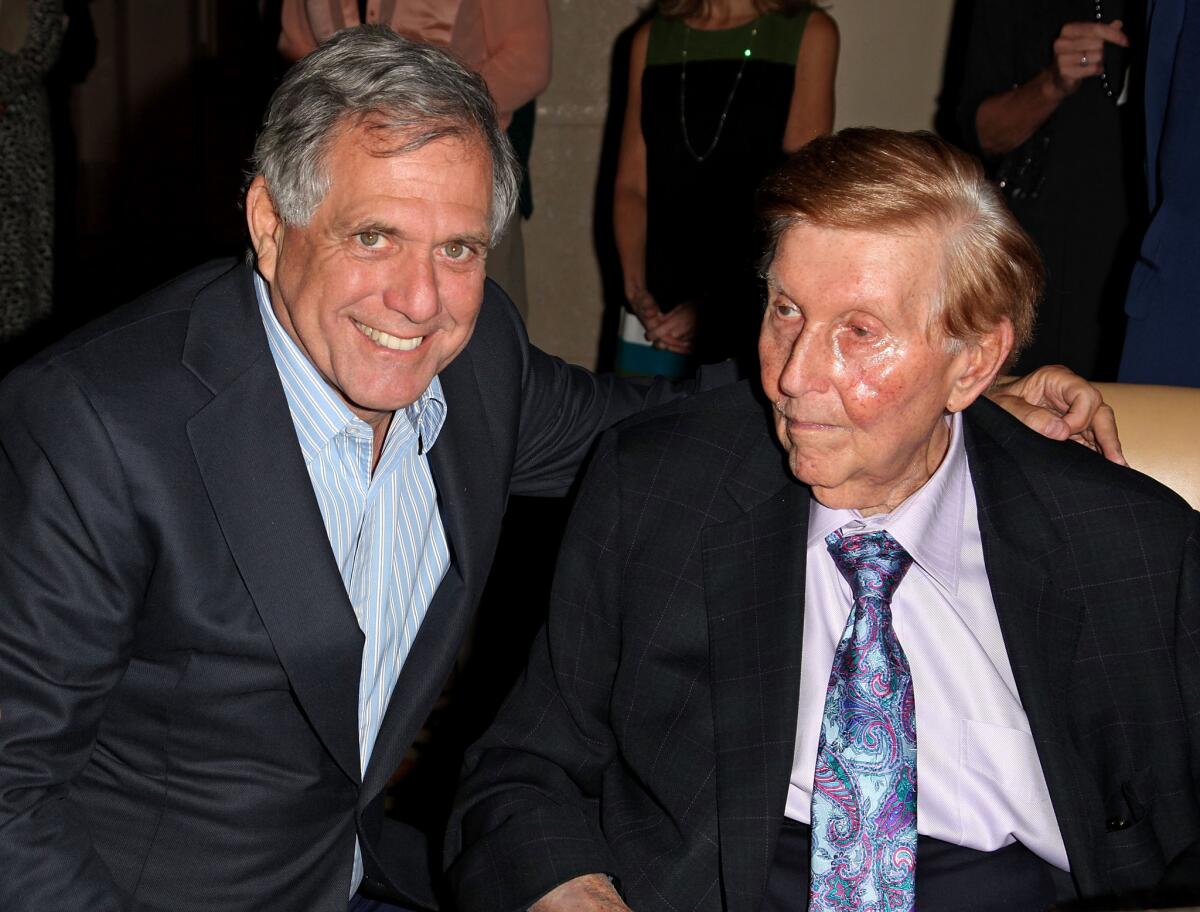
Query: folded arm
point(1007, 119)
point(564, 408)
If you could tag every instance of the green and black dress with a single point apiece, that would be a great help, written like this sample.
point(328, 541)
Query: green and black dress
point(714, 108)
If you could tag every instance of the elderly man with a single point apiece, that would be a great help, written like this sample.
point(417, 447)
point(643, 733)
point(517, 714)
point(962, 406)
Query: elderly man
point(247, 519)
point(919, 658)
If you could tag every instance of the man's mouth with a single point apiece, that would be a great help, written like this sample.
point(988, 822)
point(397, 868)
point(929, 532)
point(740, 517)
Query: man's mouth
point(798, 425)
point(387, 340)
point(802, 423)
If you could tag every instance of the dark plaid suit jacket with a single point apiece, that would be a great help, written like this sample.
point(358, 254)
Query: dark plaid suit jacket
point(652, 735)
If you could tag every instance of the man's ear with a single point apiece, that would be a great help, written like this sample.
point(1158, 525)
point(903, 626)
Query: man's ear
point(978, 364)
point(266, 228)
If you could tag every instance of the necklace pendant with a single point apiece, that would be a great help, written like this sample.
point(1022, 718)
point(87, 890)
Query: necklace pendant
point(687, 143)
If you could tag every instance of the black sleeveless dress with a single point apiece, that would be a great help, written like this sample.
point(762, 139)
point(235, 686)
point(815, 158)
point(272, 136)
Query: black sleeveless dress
point(702, 172)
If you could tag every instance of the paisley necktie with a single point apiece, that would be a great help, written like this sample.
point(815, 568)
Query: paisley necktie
point(864, 799)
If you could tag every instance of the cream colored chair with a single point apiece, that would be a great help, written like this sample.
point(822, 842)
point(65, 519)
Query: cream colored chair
point(1160, 433)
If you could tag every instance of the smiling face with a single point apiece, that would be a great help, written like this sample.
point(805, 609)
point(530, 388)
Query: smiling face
point(382, 287)
point(859, 386)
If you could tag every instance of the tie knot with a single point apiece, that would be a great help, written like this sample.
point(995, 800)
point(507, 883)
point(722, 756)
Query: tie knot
point(873, 563)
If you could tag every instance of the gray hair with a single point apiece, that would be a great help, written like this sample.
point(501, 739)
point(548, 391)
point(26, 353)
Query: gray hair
point(370, 76)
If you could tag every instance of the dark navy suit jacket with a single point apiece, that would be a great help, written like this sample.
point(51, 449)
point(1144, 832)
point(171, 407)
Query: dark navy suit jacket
point(179, 661)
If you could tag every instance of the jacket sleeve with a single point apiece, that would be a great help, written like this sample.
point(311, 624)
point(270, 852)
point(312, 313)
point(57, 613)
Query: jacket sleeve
point(563, 407)
point(989, 68)
point(526, 816)
point(508, 43)
point(297, 35)
point(70, 571)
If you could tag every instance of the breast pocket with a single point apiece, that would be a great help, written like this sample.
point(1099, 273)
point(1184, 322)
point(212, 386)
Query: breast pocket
point(1008, 757)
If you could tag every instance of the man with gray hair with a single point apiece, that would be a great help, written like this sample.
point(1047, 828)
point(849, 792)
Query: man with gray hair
point(243, 512)
point(247, 518)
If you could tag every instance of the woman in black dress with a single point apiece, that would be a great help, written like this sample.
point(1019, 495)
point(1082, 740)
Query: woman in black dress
point(718, 92)
point(1040, 102)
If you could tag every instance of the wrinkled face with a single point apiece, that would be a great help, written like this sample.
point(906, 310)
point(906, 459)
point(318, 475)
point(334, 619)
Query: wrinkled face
point(382, 287)
point(859, 387)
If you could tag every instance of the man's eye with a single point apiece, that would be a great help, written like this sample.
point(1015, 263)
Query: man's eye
point(370, 238)
point(456, 250)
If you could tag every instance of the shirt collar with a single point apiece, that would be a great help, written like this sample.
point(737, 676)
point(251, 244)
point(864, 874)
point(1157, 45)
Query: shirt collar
point(928, 524)
point(318, 413)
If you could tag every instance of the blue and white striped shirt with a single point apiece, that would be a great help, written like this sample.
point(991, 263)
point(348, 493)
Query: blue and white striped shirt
point(384, 527)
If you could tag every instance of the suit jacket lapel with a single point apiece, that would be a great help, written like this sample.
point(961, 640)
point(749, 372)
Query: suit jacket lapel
point(754, 575)
point(754, 568)
point(471, 501)
point(1041, 627)
point(245, 446)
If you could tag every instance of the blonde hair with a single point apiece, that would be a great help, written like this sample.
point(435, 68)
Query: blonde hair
point(870, 179)
point(687, 9)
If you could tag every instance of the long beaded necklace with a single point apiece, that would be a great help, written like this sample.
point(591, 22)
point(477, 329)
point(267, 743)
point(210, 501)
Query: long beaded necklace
point(687, 143)
point(1104, 83)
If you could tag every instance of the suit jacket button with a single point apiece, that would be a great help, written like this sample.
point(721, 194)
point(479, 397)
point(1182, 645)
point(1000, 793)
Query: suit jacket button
point(1112, 824)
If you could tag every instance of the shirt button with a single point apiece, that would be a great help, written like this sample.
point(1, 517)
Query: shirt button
point(1112, 824)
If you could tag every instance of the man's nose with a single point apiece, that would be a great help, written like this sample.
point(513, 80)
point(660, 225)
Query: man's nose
point(808, 365)
point(412, 288)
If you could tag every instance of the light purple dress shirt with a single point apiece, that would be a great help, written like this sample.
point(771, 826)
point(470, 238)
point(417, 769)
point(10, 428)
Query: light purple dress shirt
point(979, 781)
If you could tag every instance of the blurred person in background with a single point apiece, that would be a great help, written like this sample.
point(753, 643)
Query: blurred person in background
point(30, 35)
point(1042, 103)
point(1163, 304)
point(506, 41)
point(719, 91)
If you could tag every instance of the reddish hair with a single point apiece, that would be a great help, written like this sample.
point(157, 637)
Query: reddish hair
point(870, 179)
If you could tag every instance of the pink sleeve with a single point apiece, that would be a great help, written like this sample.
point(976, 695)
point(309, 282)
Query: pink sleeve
point(295, 37)
point(508, 43)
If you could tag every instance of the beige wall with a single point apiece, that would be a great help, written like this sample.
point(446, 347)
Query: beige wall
point(890, 70)
point(889, 76)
